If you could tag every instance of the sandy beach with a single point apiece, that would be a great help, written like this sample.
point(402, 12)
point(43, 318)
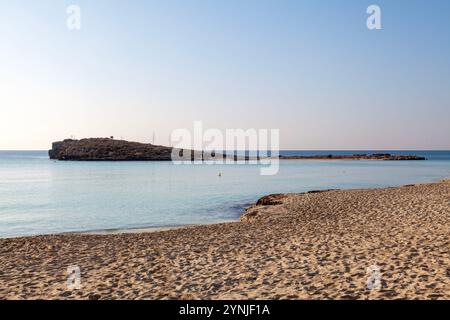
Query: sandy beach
point(388, 243)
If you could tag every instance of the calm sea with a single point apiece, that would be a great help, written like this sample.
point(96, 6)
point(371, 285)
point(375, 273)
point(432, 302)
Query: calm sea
point(41, 196)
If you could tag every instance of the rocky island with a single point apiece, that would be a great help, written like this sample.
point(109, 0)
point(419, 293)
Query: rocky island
point(109, 149)
point(96, 149)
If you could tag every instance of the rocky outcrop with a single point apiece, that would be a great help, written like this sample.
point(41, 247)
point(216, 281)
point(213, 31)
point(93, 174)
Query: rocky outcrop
point(271, 200)
point(375, 156)
point(270, 205)
point(105, 149)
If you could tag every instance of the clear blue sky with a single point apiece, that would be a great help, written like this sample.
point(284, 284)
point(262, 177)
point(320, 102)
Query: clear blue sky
point(310, 68)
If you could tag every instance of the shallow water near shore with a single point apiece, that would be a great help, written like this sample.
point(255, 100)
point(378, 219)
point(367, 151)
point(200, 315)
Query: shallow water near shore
point(41, 196)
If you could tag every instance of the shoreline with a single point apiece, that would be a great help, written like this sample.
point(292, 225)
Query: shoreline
point(117, 231)
point(144, 229)
point(316, 245)
point(169, 228)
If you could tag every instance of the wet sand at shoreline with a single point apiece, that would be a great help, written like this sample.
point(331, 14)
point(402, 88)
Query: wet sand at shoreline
point(388, 243)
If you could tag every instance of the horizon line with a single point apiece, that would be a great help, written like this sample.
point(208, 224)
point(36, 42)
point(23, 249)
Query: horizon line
point(448, 150)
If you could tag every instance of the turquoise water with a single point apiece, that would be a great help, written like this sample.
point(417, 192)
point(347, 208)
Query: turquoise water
point(41, 196)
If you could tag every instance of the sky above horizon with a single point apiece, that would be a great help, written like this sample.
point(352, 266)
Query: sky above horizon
point(309, 68)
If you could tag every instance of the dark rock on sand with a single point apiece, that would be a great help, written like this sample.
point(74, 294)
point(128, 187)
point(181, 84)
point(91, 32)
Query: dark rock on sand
point(271, 200)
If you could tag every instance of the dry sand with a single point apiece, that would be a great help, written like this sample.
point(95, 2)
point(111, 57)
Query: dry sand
point(325, 245)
